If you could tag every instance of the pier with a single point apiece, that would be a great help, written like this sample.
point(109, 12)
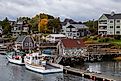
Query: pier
point(101, 51)
point(91, 75)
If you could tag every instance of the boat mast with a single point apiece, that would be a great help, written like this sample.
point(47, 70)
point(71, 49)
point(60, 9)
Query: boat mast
point(39, 37)
point(29, 44)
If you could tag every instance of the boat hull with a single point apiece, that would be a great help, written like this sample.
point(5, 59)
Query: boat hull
point(43, 71)
point(14, 61)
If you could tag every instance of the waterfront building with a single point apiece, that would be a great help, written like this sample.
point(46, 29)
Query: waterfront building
point(74, 30)
point(72, 47)
point(20, 27)
point(110, 24)
point(53, 38)
point(25, 42)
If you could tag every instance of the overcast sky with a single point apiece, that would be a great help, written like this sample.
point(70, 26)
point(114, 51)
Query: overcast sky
point(80, 10)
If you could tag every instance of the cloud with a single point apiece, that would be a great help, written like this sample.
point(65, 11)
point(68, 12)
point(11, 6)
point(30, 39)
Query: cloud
point(76, 9)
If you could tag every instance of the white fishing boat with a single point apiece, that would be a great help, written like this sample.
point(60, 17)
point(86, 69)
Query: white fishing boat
point(41, 64)
point(16, 57)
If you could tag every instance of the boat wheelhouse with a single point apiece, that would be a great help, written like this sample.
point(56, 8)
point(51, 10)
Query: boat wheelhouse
point(16, 57)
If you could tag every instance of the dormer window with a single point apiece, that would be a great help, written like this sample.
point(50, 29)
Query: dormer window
point(112, 13)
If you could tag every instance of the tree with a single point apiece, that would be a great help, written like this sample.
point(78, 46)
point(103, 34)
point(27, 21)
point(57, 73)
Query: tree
point(35, 21)
point(6, 26)
point(93, 26)
point(23, 19)
point(42, 26)
point(54, 25)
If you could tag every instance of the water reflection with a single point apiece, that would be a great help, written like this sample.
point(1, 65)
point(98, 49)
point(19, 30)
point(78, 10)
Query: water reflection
point(110, 68)
point(12, 72)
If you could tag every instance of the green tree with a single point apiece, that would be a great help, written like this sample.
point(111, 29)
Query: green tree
point(23, 19)
point(54, 25)
point(93, 26)
point(6, 26)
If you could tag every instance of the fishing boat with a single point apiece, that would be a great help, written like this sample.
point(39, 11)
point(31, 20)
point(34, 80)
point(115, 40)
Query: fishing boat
point(16, 57)
point(41, 63)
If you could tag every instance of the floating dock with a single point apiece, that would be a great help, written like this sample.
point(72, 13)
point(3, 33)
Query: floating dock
point(91, 75)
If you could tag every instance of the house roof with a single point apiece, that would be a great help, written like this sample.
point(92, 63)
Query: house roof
point(115, 16)
point(73, 43)
point(56, 35)
point(80, 26)
point(70, 26)
point(20, 38)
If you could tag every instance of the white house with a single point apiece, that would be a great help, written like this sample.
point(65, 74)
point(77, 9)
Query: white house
point(54, 37)
point(19, 28)
point(74, 30)
point(110, 24)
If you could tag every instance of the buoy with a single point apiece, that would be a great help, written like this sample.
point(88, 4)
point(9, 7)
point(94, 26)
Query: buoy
point(103, 79)
point(82, 75)
point(66, 71)
point(93, 78)
point(90, 77)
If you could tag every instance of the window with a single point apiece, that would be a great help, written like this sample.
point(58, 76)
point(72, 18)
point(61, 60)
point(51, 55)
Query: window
point(111, 21)
point(111, 33)
point(118, 21)
point(111, 26)
point(30, 44)
point(117, 26)
point(117, 32)
point(26, 44)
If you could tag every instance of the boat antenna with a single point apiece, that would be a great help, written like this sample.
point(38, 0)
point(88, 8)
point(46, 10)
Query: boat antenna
point(29, 44)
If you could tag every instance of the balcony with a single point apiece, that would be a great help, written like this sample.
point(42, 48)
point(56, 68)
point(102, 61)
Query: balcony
point(102, 22)
point(102, 29)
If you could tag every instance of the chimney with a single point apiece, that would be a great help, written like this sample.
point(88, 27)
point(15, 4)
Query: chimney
point(112, 13)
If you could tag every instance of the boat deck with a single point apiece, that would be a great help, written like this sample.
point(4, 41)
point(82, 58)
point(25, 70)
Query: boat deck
point(50, 67)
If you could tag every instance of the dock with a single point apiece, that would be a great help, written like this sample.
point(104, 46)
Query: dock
point(91, 75)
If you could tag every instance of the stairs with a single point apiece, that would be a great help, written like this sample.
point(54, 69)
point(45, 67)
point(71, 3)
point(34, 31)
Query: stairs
point(58, 59)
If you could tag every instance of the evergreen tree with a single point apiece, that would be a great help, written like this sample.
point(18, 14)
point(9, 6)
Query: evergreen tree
point(6, 26)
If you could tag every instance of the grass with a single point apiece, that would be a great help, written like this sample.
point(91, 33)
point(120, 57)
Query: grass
point(116, 42)
point(102, 40)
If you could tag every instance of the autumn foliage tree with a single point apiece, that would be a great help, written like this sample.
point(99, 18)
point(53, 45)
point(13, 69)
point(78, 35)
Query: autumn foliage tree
point(42, 26)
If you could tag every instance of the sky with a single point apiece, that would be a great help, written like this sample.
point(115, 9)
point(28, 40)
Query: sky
point(79, 10)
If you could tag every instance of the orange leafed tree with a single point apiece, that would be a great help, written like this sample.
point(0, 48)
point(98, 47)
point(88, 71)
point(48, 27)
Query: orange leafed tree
point(42, 26)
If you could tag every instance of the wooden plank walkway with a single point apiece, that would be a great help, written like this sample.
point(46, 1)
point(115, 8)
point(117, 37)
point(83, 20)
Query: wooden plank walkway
point(97, 76)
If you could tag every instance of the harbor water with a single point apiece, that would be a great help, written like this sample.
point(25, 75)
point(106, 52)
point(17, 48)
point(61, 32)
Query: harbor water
point(12, 72)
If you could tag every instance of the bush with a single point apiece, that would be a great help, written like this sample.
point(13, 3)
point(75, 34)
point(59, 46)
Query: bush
point(105, 40)
point(117, 37)
point(95, 38)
